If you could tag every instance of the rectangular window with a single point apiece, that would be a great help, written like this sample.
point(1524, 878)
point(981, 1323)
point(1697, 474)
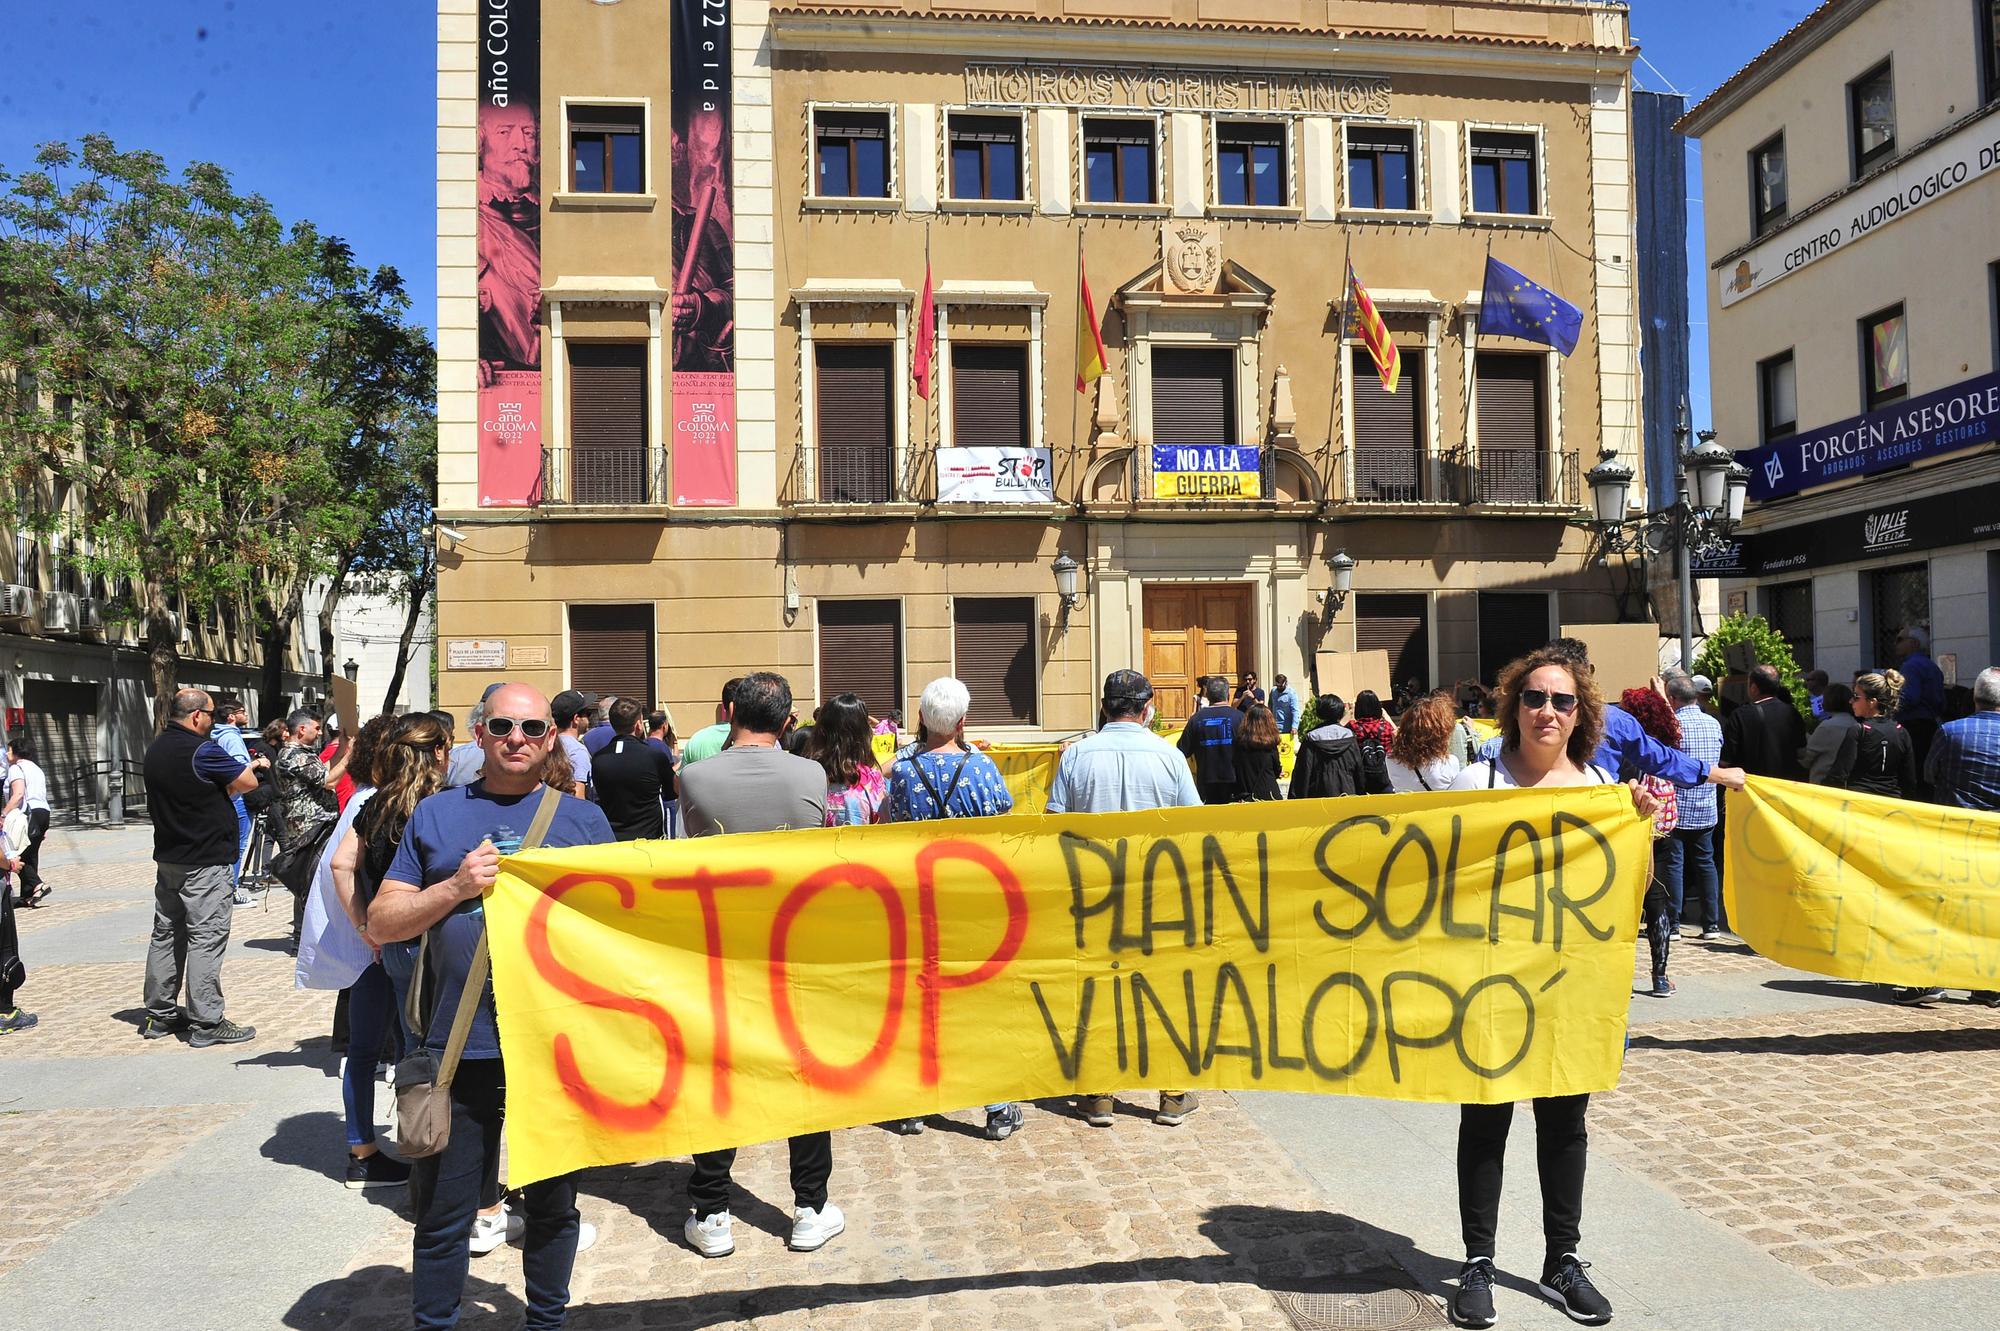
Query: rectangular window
point(989, 394)
point(1885, 358)
point(1513, 428)
point(1789, 608)
point(1770, 198)
point(1871, 118)
point(1389, 461)
point(1194, 397)
point(1777, 397)
point(607, 422)
point(986, 153)
point(1399, 625)
point(611, 650)
point(993, 641)
point(1250, 164)
point(1118, 157)
point(855, 438)
point(1989, 48)
point(1503, 172)
point(1511, 624)
point(851, 154)
point(861, 652)
point(1381, 167)
point(607, 149)
point(1899, 598)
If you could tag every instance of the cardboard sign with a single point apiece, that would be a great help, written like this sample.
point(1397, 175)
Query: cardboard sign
point(347, 705)
point(1348, 673)
point(1626, 656)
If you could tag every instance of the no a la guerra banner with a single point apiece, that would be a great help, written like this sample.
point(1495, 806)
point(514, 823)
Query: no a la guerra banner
point(1226, 472)
point(658, 998)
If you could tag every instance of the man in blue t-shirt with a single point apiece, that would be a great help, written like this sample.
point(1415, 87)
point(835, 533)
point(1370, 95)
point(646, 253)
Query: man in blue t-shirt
point(448, 859)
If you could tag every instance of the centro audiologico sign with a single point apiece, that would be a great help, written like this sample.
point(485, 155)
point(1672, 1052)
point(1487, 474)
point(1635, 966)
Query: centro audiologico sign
point(1951, 163)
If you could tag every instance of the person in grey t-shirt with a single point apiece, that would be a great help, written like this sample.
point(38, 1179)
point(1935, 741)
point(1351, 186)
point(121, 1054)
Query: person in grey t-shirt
point(755, 786)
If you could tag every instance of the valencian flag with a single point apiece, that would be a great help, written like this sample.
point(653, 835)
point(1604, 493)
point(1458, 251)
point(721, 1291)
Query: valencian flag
point(1089, 340)
point(1375, 334)
point(926, 351)
point(1513, 306)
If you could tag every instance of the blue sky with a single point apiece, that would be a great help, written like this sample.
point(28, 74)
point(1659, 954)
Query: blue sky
point(326, 110)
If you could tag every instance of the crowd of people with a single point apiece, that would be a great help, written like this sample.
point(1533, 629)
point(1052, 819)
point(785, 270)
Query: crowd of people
point(389, 839)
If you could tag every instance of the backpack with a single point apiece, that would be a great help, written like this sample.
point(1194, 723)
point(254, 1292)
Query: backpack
point(1374, 766)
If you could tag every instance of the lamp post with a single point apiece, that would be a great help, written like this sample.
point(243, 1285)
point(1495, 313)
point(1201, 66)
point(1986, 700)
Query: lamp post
point(1342, 567)
point(1707, 506)
point(352, 669)
point(1066, 572)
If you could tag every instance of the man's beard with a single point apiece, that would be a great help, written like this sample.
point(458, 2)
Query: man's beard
point(509, 177)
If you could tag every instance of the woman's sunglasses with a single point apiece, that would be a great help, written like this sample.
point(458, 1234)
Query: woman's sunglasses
point(1536, 699)
point(499, 727)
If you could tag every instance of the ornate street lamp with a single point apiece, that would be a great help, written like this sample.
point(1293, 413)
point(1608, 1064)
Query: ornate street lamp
point(1342, 567)
point(1066, 570)
point(1610, 488)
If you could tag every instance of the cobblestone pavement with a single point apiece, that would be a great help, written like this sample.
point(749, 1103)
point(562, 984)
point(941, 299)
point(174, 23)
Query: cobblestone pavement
point(1784, 1151)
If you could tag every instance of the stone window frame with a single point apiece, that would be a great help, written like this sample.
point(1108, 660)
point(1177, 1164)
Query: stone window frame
point(814, 201)
point(1389, 300)
point(613, 292)
point(852, 292)
point(948, 201)
point(1161, 206)
point(994, 295)
point(566, 198)
point(1544, 217)
point(1213, 122)
point(1420, 173)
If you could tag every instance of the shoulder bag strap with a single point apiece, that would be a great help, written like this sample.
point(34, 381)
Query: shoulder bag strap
point(1419, 774)
point(475, 975)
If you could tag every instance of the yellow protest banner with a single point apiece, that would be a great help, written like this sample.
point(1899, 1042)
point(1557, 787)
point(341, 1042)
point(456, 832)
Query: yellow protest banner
point(1863, 887)
point(662, 997)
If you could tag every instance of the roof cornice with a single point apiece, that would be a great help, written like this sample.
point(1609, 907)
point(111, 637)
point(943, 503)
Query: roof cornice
point(1805, 37)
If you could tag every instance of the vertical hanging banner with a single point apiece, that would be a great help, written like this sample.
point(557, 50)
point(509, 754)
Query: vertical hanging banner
point(510, 253)
point(703, 303)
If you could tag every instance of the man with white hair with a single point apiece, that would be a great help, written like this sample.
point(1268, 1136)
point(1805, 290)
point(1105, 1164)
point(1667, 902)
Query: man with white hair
point(1964, 764)
point(941, 777)
point(1922, 704)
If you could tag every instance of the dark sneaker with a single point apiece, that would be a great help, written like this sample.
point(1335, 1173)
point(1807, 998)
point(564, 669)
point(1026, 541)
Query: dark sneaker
point(1984, 997)
point(1003, 1122)
point(1564, 1281)
point(1473, 1304)
point(18, 1020)
point(152, 1028)
point(376, 1171)
point(907, 1127)
point(223, 1032)
point(1709, 931)
point(1174, 1109)
point(1911, 996)
point(1097, 1110)
point(1662, 987)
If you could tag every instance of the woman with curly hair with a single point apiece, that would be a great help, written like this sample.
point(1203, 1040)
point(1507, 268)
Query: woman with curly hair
point(1551, 719)
point(1420, 756)
point(1656, 717)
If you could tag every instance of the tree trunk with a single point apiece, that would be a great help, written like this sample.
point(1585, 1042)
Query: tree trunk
point(274, 632)
point(419, 595)
point(163, 655)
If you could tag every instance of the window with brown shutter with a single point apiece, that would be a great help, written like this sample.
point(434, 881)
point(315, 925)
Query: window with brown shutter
point(989, 394)
point(1388, 439)
point(993, 639)
point(607, 431)
point(861, 652)
point(1511, 624)
point(1194, 397)
point(1513, 438)
point(855, 440)
point(611, 650)
point(1398, 624)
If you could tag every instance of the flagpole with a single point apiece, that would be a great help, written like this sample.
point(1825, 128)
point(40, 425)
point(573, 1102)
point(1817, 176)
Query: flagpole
point(1472, 357)
point(1340, 337)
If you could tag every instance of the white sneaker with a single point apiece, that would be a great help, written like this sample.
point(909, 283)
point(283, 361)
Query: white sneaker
point(490, 1231)
point(812, 1230)
point(586, 1234)
point(712, 1237)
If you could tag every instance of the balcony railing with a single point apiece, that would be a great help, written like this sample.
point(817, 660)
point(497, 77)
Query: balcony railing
point(1393, 476)
point(1517, 476)
point(601, 476)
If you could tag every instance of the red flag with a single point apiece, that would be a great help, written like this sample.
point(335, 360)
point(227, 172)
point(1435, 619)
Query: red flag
point(920, 368)
point(1089, 338)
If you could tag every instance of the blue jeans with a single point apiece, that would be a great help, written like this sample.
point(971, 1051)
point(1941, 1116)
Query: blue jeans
point(445, 1195)
point(371, 1006)
point(242, 835)
point(1691, 877)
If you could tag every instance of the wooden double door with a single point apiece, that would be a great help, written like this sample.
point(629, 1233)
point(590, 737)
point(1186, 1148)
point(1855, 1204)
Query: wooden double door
point(1196, 629)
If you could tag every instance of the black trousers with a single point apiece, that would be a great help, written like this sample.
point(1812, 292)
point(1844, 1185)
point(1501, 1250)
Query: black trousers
point(812, 1166)
point(1561, 1147)
point(10, 944)
point(1657, 914)
point(31, 858)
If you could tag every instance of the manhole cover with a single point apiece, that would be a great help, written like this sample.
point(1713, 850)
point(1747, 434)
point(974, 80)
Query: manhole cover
point(1373, 1309)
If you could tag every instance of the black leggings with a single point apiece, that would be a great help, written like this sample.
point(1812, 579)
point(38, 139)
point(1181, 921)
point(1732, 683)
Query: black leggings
point(10, 945)
point(1561, 1147)
point(1658, 910)
point(31, 858)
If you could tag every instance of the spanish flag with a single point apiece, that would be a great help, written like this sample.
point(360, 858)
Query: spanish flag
point(1375, 334)
point(1089, 340)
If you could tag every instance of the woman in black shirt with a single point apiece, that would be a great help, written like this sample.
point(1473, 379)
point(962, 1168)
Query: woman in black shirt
point(1257, 755)
point(1885, 761)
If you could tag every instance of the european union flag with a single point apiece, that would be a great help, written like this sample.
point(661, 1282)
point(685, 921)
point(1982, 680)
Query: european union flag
point(1515, 307)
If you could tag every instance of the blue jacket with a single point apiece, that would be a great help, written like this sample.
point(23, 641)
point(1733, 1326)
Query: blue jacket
point(1627, 749)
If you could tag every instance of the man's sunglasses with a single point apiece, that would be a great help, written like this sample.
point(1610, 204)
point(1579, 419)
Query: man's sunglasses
point(499, 727)
point(1536, 699)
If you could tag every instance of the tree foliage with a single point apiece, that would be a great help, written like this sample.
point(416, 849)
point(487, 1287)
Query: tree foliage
point(1771, 648)
point(215, 403)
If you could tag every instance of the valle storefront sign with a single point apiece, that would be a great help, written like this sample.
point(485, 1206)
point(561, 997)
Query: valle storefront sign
point(1965, 415)
point(1954, 161)
point(1905, 526)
